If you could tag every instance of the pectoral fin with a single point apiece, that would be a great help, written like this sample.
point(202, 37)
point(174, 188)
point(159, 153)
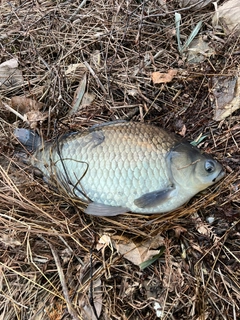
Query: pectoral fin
point(155, 198)
point(98, 209)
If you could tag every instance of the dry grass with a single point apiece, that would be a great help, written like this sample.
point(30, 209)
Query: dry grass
point(49, 264)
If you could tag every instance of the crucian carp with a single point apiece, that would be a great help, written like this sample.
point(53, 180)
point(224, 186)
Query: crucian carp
point(124, 166)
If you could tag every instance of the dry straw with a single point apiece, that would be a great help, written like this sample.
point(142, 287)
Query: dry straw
point(51, 265)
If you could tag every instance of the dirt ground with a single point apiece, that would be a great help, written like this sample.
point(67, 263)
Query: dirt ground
point(57, 262)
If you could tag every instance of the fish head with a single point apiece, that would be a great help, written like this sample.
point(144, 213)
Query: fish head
point(192, 170)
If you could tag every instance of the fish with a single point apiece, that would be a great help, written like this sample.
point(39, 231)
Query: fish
point(120, 167)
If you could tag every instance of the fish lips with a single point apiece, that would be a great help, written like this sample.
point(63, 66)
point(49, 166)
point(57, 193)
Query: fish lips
point(221, 174)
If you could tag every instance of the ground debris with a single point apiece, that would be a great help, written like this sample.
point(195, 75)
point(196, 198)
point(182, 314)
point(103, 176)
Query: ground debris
point(54, 259)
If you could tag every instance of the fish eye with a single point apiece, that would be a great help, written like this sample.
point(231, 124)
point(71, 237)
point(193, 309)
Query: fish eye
point(209, 166)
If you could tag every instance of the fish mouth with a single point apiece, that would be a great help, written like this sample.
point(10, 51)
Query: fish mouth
point(219, 176)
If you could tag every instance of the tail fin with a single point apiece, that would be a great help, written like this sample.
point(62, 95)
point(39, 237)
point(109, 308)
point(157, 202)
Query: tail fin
point(30, 139)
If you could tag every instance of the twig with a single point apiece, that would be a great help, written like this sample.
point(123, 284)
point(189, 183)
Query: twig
point(13, 111)
point(71, 310)
point(77, 10)
point(95, 76)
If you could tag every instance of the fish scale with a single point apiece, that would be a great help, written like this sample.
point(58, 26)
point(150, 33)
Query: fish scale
point(127, 167)
point(122, 167)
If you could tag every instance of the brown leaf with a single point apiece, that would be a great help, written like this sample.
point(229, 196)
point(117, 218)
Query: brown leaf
point(137, 253)
point(199, 50)
point(158, 77)
point(227, 15)
point(25, 105)
point(33, 117)
point(225, 96)
point(179, 230)
point(104, 241)
point(183, 131)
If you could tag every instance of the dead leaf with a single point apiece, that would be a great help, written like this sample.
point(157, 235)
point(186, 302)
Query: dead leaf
point(97, 300)
point(158, 77)
point(25, 105)
point(33, 117)
point(228, 16)
point(137, 253)
point(11, 64)
point(183, 131)
point(72, 68)
point(9, 241)
point(162, 3)
point(199, 50)
point(66, 255)
point(75, 72)
point(133, 92)
point(96, 59)
point(198, 4)
point(81, 98)
point(10, 75)
point(179, 230)
point(195, 246)
point(154, 242)
point(54, 311)
point(91, 284)
point(29, 108)
point(204, 228)
point(87, 100)
point(225, 96)
point(104, 241)
point(78, 95)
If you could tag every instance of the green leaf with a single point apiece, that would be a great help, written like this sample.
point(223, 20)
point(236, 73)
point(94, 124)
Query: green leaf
point(177, 23)
point(192, 36)
point(147, 263)
point(199, 139)
point(182, 48)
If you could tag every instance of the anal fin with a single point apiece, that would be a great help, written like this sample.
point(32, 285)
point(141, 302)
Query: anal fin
point(98, 209)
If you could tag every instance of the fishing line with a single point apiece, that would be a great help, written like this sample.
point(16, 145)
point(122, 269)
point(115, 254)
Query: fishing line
point(66, 174)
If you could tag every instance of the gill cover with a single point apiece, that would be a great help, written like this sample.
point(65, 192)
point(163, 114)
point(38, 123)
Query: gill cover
point(192, 169)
